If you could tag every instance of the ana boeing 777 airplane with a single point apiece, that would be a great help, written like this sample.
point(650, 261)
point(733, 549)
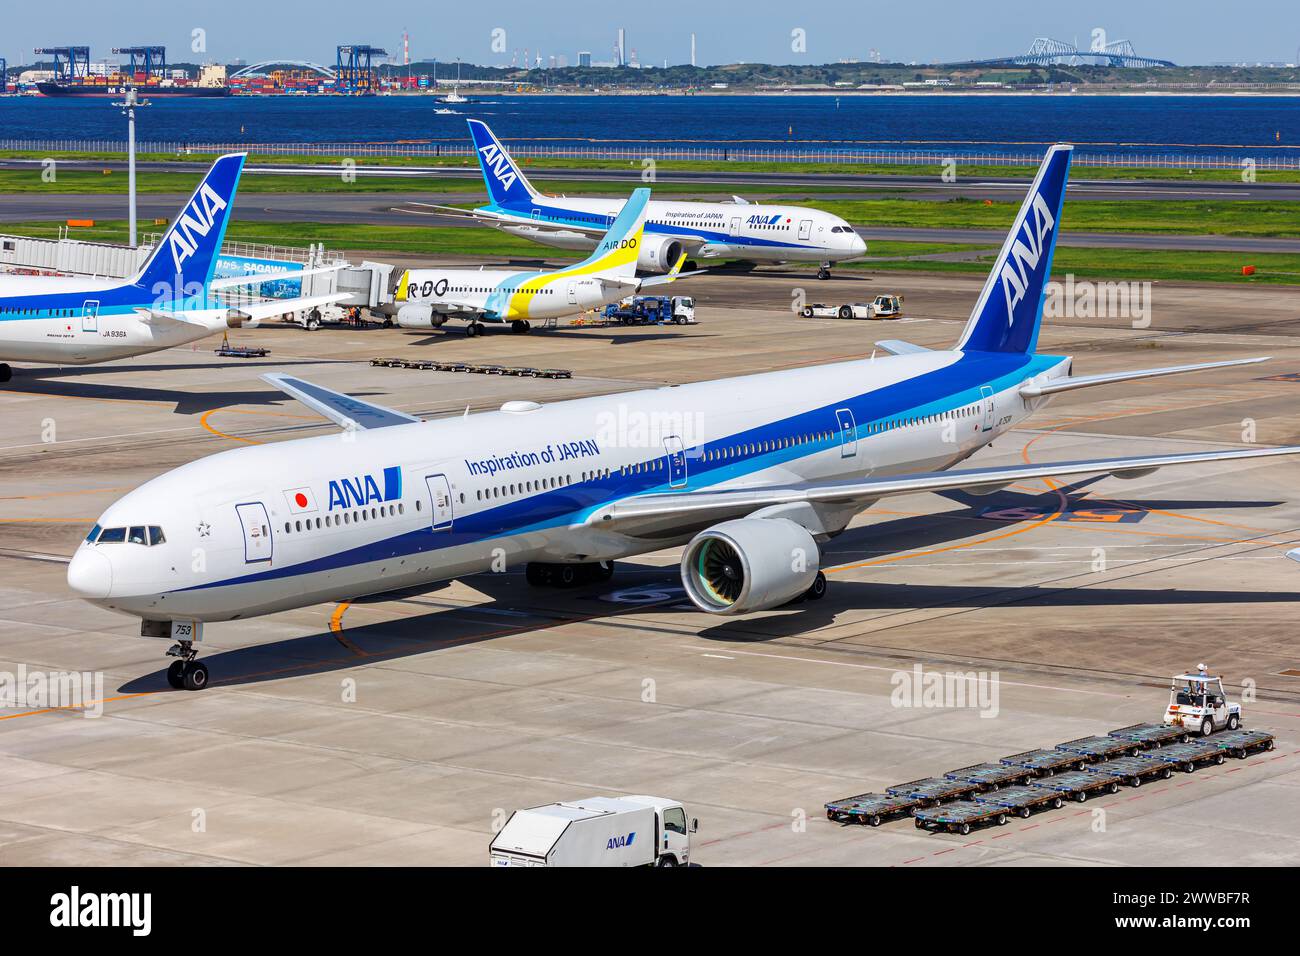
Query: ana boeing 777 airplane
point(750, 232)
point(426, 298)
point(752, 474)
point(172, 300)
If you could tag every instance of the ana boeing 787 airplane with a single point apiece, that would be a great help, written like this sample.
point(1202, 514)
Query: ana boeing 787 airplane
point(172, 300)
point(749, 232)
point(751, 474)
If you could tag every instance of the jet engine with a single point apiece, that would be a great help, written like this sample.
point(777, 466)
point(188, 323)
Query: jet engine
point(749, 564)
point(658, 254)
point(412, 316)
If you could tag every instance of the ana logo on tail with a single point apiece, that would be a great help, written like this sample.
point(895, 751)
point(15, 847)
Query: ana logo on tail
point(496, 160)
point(197, 220)
point(1025, 257)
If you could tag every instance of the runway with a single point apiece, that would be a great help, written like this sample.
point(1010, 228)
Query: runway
point(399, 732)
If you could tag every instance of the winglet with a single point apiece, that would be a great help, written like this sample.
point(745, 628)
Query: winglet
point(344, 410)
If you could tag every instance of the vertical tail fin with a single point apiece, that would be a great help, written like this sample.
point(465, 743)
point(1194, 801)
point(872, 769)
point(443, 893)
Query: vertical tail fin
point(181, 266)
point(616, 254)
point(507, 186)
point(1009, 311)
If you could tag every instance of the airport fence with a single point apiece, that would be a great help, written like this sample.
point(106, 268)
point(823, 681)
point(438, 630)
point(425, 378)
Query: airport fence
point(830, 156)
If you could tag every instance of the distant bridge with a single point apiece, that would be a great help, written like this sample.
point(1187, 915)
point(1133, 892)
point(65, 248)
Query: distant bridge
point(266, 67)
point(1045, 51)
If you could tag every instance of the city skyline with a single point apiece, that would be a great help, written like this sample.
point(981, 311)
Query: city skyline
point(1201, 32)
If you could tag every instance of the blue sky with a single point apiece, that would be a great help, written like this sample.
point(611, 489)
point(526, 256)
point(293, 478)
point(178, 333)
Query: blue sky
point(1186, 31)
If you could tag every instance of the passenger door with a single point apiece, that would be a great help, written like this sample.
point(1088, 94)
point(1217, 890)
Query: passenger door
point(573, 293)
point(440, 509)
point(256, 526)
point(676, 462)
point(90, 316)
point(987, 401)
point(805, 229)
point(735, 226)
point(848, 433)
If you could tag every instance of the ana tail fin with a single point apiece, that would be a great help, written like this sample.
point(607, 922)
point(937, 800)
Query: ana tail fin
point(507, 186)
point(182, 264)
point(1007, 316)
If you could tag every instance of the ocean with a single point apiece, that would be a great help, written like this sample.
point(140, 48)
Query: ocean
point(1222, 125)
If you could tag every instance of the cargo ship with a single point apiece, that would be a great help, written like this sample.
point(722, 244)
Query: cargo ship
point(119, 89)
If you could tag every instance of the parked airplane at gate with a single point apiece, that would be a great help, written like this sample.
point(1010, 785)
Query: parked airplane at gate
point(426, 298)
point(745, 472)
point(753, 232)
point(76, 321)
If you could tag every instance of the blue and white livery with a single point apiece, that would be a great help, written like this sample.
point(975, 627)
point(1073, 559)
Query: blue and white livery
point(751, 474)
point(752, 232)
point(171, 301)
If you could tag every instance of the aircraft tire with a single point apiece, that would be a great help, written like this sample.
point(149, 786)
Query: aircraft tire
point(176, 674)
point(6, 373)
point(196, 676)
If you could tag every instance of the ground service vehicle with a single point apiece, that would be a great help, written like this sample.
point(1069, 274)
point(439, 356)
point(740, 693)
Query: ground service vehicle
point(1197, 703)
point(881, 307)
point(597, 831)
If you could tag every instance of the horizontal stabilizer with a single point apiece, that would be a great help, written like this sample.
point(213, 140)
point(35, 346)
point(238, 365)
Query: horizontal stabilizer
point(1069, 383)
point(899, 347)
point(344, 410)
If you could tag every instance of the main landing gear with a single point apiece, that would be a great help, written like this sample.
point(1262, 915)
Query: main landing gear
point(541, 574)
point(186, 673)
point(6, 373)
point(519, 326)
point(473, 329)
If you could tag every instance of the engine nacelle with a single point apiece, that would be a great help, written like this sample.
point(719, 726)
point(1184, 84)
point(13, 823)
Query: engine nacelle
point(749, 564)
point(413, 316)
point(658, 255)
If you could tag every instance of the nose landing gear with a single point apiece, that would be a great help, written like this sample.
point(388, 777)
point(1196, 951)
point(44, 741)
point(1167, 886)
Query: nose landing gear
point(186, 673)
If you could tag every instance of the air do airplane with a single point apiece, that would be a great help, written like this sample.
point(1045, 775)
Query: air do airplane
point(171, 301)
point(751, 474)
point(752, 232)
point(426, 298)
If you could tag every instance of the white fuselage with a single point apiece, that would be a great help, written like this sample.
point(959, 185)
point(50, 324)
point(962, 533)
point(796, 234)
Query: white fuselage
point(756, 232)
point(263, 529)
point(505, 295)
point(74, 321)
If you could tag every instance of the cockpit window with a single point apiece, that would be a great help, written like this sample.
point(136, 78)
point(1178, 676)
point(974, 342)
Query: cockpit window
point(146, 535)
point(94, 533)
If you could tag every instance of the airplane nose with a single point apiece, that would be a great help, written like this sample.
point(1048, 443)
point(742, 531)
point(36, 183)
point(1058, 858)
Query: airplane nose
point(90, 574)
point(859, 245)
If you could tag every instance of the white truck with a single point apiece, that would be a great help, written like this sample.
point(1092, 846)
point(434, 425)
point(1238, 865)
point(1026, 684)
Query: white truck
point(882, 307)
point(596, 831)
point(1198, 704)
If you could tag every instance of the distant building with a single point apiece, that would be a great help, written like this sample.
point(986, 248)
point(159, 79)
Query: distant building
point(620, 48)
point(584, 58)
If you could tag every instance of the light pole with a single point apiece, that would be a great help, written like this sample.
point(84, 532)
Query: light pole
point(128, 105)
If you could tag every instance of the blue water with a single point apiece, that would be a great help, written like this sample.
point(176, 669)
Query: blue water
point(1260, 126)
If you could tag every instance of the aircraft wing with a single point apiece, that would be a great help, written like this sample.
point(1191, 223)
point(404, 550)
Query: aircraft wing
point(497, 219)
point(1071, 382)
point(344, 410)
point(633, 284)
point(163, 320)
point(626, 515)
point(234, 282)
point(254, 312)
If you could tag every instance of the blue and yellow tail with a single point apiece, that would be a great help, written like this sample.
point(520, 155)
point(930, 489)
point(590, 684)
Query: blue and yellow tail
point(618, 251)
point(506, 185)
point(182, 264)
point(1010, 308)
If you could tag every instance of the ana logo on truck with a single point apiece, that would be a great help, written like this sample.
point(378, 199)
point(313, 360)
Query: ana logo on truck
point(618, 842)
